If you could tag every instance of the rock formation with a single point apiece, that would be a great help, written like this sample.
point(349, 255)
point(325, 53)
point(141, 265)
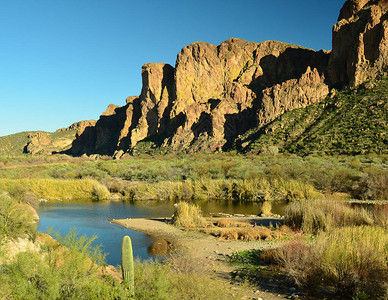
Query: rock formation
point(37, 143)
point(360, 42)
point(79, 126)
point(215, 93)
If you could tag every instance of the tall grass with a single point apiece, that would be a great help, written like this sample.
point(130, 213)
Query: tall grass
point(55, 188)
point(250, 190)
point(351, 261)
point(323, 215)
point(188, 216)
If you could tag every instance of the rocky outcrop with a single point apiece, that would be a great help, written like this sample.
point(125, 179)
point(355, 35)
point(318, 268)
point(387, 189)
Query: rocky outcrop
point(120, 128)
point(360, 42)
point(216, 93)
point(48, 143)
point(37, 143)
point(79, 126)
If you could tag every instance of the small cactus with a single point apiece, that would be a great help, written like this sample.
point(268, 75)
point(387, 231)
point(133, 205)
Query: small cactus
point(127, 264)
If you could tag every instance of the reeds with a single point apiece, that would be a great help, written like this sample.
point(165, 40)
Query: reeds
point(249, 190)
point(322, 215)
point(188, 216)
point(55, 188)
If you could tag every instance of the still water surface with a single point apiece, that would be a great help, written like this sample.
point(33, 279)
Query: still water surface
point(92, 218)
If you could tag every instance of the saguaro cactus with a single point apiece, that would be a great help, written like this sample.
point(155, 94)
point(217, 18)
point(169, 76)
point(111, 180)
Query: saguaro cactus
point(127, 263)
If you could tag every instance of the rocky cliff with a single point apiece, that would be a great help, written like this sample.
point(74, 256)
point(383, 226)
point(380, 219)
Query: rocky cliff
point(360, 43)
point(217, 92)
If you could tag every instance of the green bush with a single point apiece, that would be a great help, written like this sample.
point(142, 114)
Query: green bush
point(61, 273)
point(15, 220)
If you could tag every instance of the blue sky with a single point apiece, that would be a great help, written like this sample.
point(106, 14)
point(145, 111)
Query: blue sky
point(63, 61)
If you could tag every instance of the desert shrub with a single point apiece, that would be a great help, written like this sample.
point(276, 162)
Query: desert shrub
point(299, 261)
point(188, 216)
point(373, 185)
point(201, 287)
point(322, 215)
point(183, 264)
point(15, 220)
point(152, 281)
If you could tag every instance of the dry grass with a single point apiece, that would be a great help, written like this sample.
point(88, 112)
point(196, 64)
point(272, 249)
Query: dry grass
point(188, 216)
point(245, 234)
point(266, 208)
point(380, 215)
point(227, 223)
point(281, 231)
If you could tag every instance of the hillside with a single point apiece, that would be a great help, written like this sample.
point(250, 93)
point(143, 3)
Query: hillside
point(354, 121)
point(36, 142)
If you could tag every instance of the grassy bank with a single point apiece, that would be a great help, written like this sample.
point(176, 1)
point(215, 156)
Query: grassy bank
point(49, 188)
point(249, 190)
point(361, 177)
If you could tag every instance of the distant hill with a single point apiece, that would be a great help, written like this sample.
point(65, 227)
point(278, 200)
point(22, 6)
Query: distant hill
point(36, 142)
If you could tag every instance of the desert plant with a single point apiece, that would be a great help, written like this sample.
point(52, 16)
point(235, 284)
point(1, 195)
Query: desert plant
point(127, 265)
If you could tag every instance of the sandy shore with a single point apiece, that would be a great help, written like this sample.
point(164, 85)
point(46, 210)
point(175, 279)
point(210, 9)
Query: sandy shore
point(207, 250)
point(195, 243)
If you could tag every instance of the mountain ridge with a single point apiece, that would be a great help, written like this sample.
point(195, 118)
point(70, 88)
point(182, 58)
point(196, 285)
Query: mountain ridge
point(217, 93)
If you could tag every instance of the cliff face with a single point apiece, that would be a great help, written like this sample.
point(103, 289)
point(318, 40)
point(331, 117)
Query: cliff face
point(360, 42)
point(221, 91)
point(215, 93)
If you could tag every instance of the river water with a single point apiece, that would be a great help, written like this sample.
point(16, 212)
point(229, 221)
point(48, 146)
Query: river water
point(92, 218)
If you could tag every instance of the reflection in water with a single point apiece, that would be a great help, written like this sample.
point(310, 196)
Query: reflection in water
point(240, 207)
point(160, 247)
